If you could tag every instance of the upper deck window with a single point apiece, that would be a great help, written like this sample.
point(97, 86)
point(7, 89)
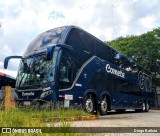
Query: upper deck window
point(52, 36)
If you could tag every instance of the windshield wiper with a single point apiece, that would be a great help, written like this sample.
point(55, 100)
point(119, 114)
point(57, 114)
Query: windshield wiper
point(30, 86)
point(44, 84)
point(24, 75)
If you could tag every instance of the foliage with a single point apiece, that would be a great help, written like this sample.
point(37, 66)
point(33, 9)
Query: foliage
point(144, 49)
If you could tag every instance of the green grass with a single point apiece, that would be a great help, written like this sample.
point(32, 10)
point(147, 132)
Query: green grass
point(38, 118)
point(34, 118)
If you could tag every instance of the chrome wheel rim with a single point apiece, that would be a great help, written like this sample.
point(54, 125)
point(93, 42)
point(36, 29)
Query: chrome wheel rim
point(103, 106)
point(143, 106)
point(89, 105)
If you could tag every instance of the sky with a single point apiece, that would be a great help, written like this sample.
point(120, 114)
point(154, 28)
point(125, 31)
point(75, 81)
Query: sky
point(22, 20)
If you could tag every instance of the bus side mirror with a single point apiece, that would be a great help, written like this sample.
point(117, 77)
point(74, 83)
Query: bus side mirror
point(8, 58)
point(50, 51)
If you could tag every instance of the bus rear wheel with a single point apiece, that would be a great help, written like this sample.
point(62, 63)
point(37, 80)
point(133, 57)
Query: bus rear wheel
point(103, 105)
point(143, 106)
point(89, 104)
point(146, 106)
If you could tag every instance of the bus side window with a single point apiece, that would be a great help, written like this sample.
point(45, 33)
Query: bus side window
point(98, 81)
point(63, 74)
point(67, 72)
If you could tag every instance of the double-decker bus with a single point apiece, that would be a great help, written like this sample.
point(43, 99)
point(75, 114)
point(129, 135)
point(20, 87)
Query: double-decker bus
point(68, 66)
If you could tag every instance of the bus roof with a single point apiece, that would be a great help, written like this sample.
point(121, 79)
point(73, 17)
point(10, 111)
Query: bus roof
point(8, 76)
point(50, 37)
point(60, 35)
point(54, 36)
point(7, 80)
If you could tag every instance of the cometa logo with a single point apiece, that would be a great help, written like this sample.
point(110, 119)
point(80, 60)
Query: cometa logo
point(28, 94)
point(116, 72)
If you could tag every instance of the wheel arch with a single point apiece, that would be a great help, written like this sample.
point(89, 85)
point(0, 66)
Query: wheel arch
point(93, 93)
point(107, 94)
point(146, 100)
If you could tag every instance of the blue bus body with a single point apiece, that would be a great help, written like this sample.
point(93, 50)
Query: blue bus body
point(67, 66)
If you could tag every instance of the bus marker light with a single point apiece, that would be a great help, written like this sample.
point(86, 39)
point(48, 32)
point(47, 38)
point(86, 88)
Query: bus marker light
point(80, 97)
point(80, 85)
point(61, 96)
point(2, 74)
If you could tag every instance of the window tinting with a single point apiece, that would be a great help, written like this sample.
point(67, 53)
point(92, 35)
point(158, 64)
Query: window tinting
point(68, 70)
point(101, 81)
point(47, 38)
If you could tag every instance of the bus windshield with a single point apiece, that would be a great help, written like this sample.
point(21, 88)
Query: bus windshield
point(36, 71)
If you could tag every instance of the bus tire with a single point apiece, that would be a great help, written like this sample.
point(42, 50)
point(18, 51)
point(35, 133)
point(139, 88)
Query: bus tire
point(103, 107)
point(89, 104)
point(146, 106)
point(143, 106)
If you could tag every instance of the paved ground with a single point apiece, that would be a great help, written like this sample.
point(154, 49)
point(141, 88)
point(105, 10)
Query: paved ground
point(126, 119)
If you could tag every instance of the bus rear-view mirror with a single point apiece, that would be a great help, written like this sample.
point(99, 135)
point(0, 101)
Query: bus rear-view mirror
point(50, 49)
point(49, 54)
point(8, 58)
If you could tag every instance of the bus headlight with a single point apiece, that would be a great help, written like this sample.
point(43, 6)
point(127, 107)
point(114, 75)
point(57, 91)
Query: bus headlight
point(46, 93)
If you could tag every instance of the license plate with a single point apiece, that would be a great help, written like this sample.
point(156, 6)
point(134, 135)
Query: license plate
point(27, 103)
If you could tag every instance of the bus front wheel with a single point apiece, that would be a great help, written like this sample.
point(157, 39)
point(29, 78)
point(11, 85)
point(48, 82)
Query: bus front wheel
point(89, 104)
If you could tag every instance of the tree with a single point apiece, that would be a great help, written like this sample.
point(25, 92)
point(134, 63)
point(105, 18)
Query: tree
point(144, 49)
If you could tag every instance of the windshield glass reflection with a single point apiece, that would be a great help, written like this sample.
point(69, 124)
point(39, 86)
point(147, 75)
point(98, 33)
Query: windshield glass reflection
point(36, 71)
